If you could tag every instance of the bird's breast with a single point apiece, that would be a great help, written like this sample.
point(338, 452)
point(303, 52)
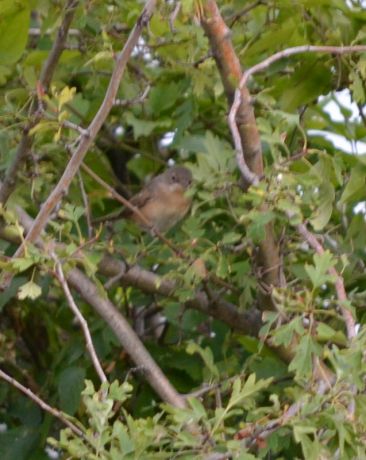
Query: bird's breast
point(168, 206)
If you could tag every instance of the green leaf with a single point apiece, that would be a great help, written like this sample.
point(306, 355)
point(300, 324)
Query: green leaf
point(324, 210)
point(197, 408)
point(357, 88)
point(120, 432)
point(11, 291)
point(284, 334)
point(145, 127)
point(164, 96)
point(256, 229)
point(302, 361)
point(206, 355)
point(29, 290)
point(14, 26)
point(355, 188)
point(70, 385)
point(318, 273)
point(18, 443)
point(120, 392)
point(71, 212)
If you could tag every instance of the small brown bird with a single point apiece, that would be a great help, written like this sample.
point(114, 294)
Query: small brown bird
point(162, 201)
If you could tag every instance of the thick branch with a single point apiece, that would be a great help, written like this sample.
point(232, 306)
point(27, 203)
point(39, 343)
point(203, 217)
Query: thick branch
point(250, 155)
point(86, 140)
point(219, 36)
point(45, 80)
point(247, 322)
point(127, 337)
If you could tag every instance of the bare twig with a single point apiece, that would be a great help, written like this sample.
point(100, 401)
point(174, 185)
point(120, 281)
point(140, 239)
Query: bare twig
point(127, 337)
point(339, 284)
point(132, 208)
point(58, 46)
point(85, 141)
point(86, 205)
point(43, 405)
point(173, 17)
point(339, 50)
point(136, 100)
point(234, 17)
point(75, 127)
point(84, 325)
point(36, 32)
point(44, 81)
point(249, 176)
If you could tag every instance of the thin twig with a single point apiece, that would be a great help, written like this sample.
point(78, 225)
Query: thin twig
point(43, 405)
point(234, 17)
point(86, 206)
point(72, 167)
point(132, 208)
point(84, 325)
point(173, 17)
point(339, 283)
point(136, 100)
point(36, 32)
point(75, 127)
point(249, 176)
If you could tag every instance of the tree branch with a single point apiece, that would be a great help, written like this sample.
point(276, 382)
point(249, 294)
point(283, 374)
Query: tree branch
point(58, 46)
point(43, 405)
point(339, 283)
point(247, 322)
point(127, 337)
point(84, 325)
point(239, 96)
point(249, 155)
point(86, 140)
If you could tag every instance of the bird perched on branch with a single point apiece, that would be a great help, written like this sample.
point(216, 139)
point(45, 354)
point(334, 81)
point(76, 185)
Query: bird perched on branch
point(162, 202)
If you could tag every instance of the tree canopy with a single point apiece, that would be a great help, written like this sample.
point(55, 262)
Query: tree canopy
point(239, 333)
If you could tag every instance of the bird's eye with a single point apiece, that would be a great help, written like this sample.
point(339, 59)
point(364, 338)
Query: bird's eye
point(173, 177)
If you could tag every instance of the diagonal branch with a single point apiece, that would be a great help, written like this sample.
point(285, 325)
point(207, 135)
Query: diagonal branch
point(127, 337)
point(43, 405)
point(47, 72)
point(86, 140)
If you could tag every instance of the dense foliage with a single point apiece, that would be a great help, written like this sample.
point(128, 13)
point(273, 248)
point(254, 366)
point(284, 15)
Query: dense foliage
point(281, 376)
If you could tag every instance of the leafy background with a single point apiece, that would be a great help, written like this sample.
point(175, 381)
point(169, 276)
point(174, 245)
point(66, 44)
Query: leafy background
point(250, 383)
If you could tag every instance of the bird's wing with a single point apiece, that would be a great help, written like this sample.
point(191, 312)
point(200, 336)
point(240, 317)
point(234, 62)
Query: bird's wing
point(139, 200)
